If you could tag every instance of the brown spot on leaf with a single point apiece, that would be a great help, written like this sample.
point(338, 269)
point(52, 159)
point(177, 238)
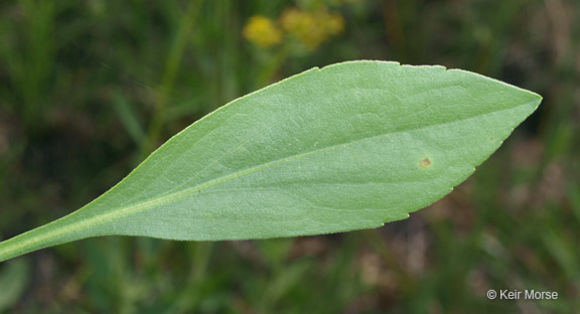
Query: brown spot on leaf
point(425, 162)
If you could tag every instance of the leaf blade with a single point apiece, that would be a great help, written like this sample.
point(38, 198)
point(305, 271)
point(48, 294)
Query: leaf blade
point(349, 146)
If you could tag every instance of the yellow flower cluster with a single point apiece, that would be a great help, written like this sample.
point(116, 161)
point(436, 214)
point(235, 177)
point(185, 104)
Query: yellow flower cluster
point(309, 28)
point(262, 31)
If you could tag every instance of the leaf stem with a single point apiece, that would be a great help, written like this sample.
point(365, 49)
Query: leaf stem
point(57, 232)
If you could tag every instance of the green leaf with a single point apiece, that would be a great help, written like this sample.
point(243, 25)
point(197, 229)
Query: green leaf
point(349, 146)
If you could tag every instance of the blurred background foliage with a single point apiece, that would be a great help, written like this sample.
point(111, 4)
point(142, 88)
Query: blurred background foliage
point(89, 88)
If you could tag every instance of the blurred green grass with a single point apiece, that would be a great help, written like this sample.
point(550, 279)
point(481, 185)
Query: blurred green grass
point(88, 88)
